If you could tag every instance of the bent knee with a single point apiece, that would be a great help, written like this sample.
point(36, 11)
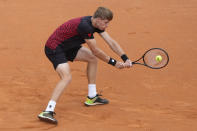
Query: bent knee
point(93, 58)
point(67, 78)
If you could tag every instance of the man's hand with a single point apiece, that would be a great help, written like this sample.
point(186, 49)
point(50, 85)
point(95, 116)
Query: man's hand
point(128, 63)
point(119, 65)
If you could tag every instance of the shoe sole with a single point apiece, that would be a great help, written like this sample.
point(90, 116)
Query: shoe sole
point(94, 104)
point(46, 119)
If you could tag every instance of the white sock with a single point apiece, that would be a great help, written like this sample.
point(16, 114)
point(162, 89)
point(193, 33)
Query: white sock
point(51, 106)
point(92, 90)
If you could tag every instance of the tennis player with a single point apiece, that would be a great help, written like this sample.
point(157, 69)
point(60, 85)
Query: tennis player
point(65, 44)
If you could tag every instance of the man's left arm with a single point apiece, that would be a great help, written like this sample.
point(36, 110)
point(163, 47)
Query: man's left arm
point(116, 48)
point(112, 44)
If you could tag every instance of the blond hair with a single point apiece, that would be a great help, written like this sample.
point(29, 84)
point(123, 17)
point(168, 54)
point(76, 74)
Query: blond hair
point(103, 13)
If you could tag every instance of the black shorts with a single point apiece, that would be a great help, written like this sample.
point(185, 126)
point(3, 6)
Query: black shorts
point(59, 55)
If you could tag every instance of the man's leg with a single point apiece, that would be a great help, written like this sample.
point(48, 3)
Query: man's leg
point(84, 54)
point(63, 71)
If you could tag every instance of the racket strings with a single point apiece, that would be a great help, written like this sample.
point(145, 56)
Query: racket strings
point(150, 58)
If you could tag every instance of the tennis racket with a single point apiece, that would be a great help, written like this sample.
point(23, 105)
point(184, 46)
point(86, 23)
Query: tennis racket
point(154, 58)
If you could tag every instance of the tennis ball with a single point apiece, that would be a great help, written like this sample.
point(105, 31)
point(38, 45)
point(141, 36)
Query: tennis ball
point(158, 58)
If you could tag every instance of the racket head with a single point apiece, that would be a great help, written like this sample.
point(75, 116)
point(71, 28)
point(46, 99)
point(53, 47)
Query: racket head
point(149, 58)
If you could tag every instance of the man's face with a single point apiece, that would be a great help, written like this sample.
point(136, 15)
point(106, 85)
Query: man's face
point(102, 24)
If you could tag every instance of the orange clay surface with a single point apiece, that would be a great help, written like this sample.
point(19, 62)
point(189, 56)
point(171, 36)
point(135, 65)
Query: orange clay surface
point(141, 99)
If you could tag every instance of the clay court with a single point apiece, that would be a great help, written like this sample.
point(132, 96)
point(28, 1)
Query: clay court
point(141, 99)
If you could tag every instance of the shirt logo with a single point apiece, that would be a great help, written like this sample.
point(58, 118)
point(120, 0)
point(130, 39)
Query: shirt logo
point(89, 34)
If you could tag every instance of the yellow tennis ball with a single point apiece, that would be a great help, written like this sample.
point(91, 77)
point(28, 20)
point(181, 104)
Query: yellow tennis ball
point(158, 58)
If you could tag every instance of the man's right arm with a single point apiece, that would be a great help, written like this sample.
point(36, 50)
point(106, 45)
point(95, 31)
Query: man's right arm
point(97, 51)
point(102, 55)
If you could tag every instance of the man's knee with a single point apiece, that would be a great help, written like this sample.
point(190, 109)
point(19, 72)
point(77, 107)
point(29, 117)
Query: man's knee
point(93, 59)
point(64, 72)
point(67, 78)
